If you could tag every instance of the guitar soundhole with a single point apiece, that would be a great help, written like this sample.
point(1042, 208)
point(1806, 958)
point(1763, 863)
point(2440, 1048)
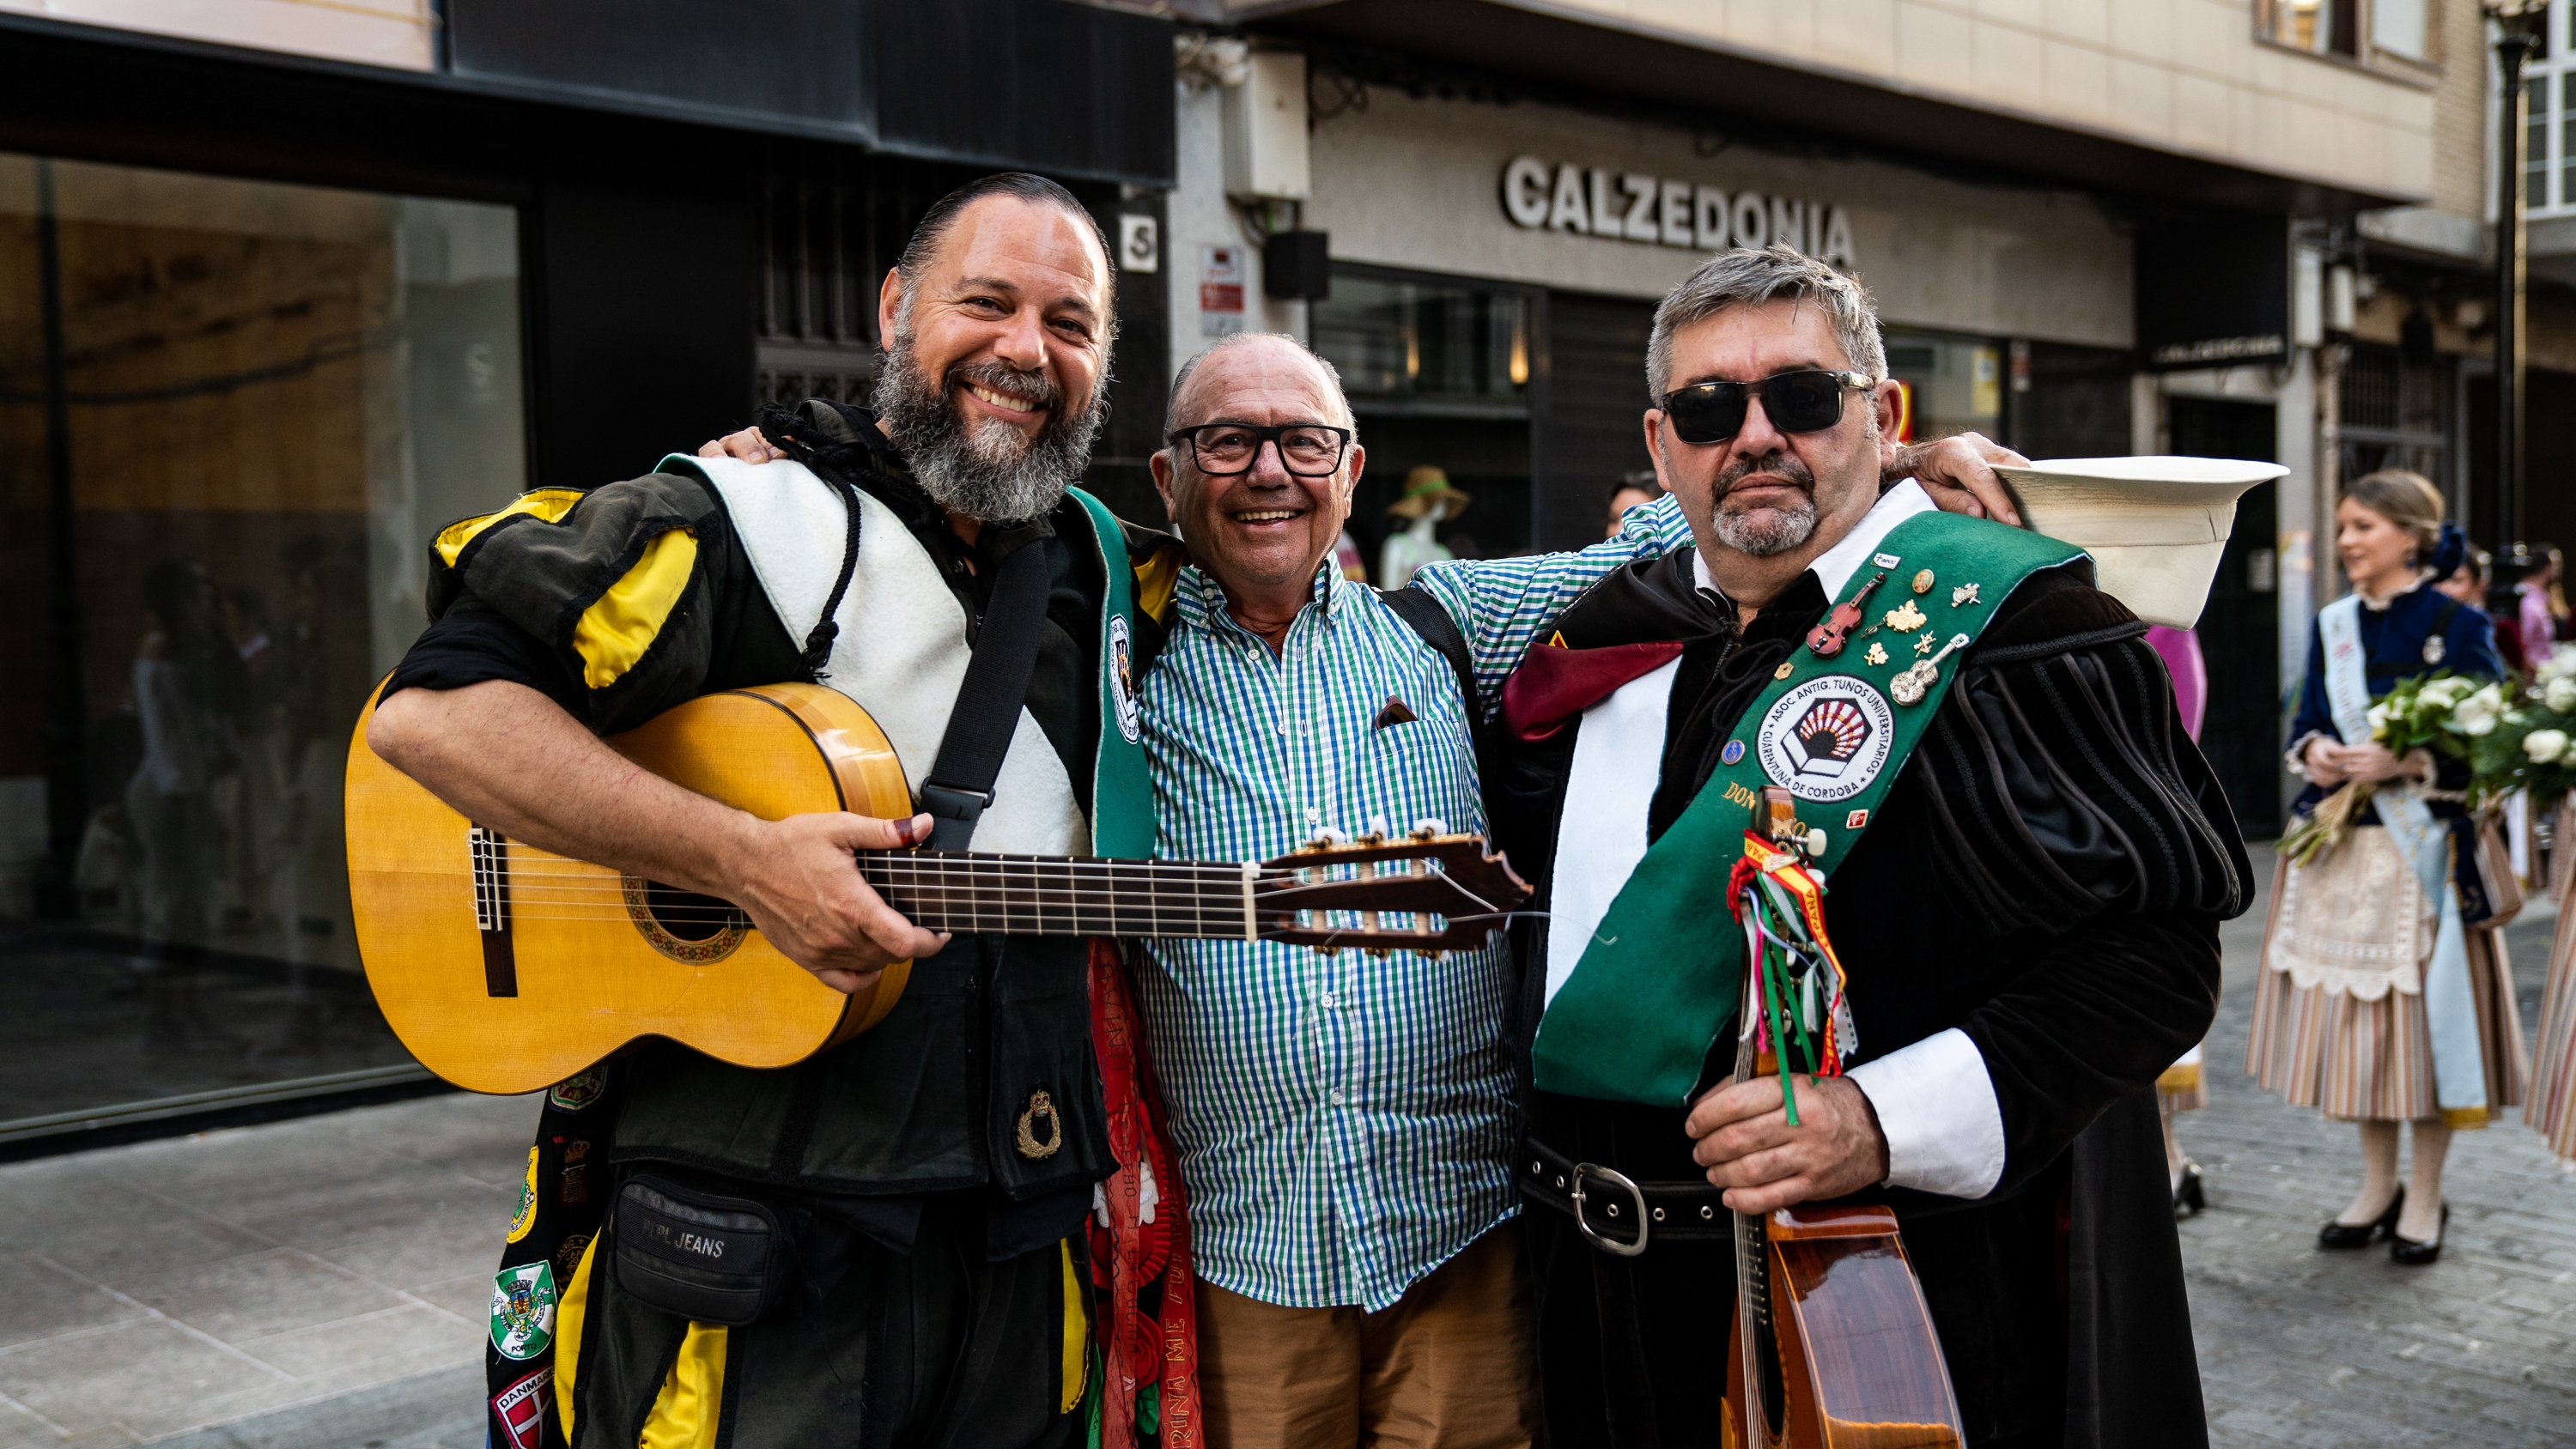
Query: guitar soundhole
point(684, 925)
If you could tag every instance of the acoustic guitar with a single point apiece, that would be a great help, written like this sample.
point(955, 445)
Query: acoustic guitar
point(1833, 1346)
point(505, 968)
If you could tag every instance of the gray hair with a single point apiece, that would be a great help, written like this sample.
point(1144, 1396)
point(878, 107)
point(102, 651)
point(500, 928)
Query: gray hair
point(1748, 277)
point(1332, 375)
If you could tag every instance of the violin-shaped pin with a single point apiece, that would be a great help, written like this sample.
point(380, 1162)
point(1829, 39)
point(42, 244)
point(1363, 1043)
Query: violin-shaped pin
point(1827, 638)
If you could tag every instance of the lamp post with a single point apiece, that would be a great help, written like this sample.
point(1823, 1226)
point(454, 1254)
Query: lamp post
point(2518, 24)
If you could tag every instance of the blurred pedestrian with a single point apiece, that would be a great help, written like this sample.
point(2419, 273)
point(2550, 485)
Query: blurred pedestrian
point(1428, 501)
point(2183, 1087)
point(188, 684)
point(2543, 602)
point(1634, 490)
point(2376, 1001)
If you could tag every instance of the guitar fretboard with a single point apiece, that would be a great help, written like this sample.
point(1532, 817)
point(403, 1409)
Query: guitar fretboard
point(1060, 896)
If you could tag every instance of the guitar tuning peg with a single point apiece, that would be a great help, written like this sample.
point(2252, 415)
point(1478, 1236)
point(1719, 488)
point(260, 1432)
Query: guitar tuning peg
point(1380, 953)
point(1324, 839)
point(1429, 826)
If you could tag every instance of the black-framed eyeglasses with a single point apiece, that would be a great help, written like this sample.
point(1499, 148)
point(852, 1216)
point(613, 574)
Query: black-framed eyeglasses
point(1807, 401)
point(1309, 450)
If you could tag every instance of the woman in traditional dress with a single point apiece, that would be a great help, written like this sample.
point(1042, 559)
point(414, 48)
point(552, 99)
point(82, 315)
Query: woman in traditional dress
point(2376, 1002)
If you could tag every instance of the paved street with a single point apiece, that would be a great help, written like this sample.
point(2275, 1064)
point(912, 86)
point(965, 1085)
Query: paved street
point(2302, 1347)
point(321, 1284)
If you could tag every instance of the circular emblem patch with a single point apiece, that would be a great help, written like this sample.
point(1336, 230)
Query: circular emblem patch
point(1827, 739)
point(1122, 676)
point(1733, 752)
point(575, 1092)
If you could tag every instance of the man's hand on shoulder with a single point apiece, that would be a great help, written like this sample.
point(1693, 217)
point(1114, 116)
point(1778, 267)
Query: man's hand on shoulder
point(749, 445)
point(797, 881)
point(1743, 1137)
point(1959, 474)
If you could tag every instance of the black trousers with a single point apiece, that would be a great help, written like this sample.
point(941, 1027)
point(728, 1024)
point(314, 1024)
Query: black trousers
point(935, 1348)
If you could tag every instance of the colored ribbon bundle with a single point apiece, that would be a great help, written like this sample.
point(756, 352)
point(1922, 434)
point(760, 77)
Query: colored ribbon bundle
point(1796, 1010)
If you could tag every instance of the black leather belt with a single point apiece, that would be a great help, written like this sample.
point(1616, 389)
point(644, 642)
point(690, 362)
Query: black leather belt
point(1617, 1215)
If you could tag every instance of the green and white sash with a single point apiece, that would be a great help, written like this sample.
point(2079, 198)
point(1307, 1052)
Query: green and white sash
point(1662, 971)
point(2450, 1008)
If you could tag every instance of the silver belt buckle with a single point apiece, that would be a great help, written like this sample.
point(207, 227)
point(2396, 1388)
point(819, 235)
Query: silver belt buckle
point(1636, 1196)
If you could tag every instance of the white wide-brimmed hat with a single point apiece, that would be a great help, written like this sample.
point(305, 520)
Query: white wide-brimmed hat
point(2154, 526)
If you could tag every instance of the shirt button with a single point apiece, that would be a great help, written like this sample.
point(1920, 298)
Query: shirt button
point(1331, 1001)
point(1336, 1098)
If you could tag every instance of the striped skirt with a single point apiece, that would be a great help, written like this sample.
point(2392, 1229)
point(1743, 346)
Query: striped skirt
point(2552, 1108)
point(2321, 1046)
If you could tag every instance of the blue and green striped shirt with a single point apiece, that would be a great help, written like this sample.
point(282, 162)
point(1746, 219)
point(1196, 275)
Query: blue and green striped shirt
point(1345, 1122)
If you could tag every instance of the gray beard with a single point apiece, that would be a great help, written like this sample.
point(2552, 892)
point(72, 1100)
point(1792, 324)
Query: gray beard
point(988, 472)
point(1766, 531)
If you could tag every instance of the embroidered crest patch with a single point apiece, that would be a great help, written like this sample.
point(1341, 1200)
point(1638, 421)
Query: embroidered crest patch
point(1122, 676)
point(521, 1408)
point(568, 1257)
point(576, 1092)
point(523, 1310)
point(526, 1217)
point(1828, 738)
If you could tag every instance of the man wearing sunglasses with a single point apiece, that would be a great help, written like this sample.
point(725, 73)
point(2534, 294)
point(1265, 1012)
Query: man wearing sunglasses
point(2025, 922)
point(1345, 1121)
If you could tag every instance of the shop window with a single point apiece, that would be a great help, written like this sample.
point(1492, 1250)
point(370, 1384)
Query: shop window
point(1952, 385)
point(235, 414)
point(2549, 120)
point(2321, 27)
point(1439, 375)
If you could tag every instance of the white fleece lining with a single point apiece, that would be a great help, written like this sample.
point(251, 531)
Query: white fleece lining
point(902, 647)
point(1936, 1105)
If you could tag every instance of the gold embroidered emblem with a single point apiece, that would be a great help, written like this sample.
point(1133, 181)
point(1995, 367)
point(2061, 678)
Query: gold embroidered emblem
point(1905, 618)
point(1041, 1108)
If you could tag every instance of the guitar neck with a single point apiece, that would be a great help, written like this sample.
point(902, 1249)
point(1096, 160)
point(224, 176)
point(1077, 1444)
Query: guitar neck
point(1039, 895)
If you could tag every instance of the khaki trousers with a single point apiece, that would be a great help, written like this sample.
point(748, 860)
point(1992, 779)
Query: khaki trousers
point(1449, 1364)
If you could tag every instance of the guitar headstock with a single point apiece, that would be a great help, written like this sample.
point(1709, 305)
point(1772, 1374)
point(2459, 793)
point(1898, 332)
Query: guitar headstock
point(1420, 892)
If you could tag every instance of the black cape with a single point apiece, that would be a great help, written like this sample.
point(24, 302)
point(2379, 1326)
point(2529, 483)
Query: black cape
point(2047, 875)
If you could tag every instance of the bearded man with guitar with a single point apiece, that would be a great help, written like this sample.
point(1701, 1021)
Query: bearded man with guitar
point(914, 1197)
point(2027, 862)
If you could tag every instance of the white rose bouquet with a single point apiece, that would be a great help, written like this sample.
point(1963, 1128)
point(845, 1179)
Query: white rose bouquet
point(2529, 746)
point(2439, 713)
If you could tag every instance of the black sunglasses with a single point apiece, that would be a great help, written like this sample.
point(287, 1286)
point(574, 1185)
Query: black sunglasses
point(1221, 450)
point(1807, 401)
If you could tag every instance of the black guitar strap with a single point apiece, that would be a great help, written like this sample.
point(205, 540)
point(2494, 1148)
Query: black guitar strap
point(960, 785)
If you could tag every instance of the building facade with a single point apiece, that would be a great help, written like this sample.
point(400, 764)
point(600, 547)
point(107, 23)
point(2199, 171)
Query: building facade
point(287, 287)
point(2173, 225)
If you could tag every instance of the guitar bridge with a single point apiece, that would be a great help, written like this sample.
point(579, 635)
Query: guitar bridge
point(489, 851)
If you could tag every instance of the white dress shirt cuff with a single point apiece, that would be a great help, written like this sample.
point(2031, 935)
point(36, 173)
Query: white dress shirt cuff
point(1936, 1105)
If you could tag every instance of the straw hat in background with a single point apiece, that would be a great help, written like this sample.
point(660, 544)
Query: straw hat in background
point(1423, 487)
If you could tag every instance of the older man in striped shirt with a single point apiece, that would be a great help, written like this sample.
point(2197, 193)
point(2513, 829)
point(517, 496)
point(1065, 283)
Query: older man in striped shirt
point(1345, 1121)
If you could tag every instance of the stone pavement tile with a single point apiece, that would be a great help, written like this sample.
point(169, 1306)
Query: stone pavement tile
point(106, 1377)
point(39, 1301)
point(258, 1294)
point(484, 1138)
point(428, 1251)
point(399, 1341)
point(436, 1410)
point(333, 1228)
point(115, 1250)
point(468, 1296)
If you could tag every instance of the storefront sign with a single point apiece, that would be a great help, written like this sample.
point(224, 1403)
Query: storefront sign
point(1661, 211)
point(1220, 291)
point(2213, 290)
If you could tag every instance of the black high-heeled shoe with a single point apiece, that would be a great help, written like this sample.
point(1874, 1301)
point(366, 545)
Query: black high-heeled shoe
point(2362, 1235)
point(2188, 1198)
point(2414, 1254)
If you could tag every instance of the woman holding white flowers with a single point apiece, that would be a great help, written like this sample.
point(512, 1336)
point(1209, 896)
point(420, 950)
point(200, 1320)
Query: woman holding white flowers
point(2382, 999)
